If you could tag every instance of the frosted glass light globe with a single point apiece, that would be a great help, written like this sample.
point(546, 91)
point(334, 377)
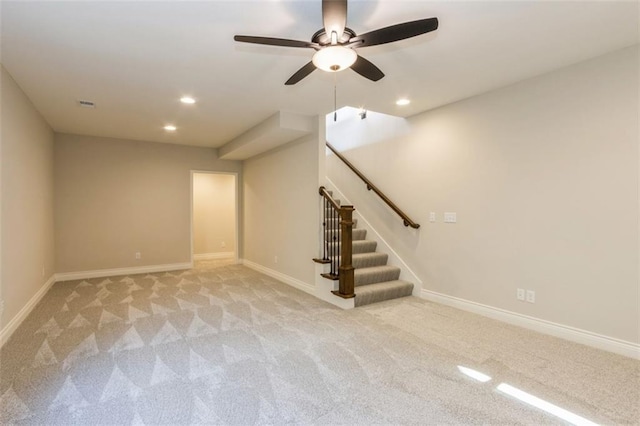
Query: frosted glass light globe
point(334, 58)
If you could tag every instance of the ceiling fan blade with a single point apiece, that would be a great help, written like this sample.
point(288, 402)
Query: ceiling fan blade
point(301, 73)
point(367, 69)
point(334, 16)
point(271, 41)
point(395, 32)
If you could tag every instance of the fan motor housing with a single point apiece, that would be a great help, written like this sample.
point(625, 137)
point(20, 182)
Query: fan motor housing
point(323, 39)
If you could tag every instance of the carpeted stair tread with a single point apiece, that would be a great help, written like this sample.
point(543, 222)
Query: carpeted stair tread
point(376, 274)
point(356, 234)
point(359, 246)
point(379, 292)
point(367, 260)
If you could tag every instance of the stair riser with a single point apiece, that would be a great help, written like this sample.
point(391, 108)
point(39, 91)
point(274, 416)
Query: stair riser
point(363, 278)
point(362, 246)
point(356, 234)
point(369, 295)
point(380, 259)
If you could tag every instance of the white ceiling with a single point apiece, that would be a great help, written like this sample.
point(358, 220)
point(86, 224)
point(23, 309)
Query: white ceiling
point(136, 59)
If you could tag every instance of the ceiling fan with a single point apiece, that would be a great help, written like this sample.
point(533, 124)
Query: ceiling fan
point(335, 44)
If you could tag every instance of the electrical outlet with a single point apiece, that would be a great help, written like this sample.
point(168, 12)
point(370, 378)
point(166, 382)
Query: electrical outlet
point(138, 255)
point(275, 259)
point(531, 296)
point(432, 217)
point(520, 294)
point(450, 217)
point(223, 244)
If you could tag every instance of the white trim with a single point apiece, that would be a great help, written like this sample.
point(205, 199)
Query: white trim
point(210, 256)
point(293, 282)
point(573, 334)
point(15, 322)
point(68, 276)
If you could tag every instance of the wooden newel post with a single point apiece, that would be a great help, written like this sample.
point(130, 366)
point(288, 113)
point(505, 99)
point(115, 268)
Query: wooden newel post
point(346, 280)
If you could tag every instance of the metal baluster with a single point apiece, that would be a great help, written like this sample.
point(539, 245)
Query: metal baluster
point(324, 229)
point(330, 238)
point(339, 244)
point(335, 243)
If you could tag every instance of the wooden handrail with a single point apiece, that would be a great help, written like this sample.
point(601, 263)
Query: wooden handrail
point(323, 191)
point(371, 187)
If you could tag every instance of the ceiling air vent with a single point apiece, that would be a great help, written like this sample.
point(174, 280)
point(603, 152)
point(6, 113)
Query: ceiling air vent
point(86, 104)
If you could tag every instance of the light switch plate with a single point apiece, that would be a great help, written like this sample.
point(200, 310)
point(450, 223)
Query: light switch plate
point(450, 217)
point(531, 296)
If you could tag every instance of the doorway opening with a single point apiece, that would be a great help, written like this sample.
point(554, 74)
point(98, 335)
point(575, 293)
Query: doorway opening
point(214, 216)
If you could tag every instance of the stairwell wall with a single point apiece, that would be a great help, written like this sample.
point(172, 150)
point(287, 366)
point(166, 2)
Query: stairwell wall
point(543, 176)
point(281, 216)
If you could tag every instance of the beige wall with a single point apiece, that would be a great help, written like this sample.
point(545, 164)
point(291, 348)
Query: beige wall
point(281, 209)
point(543, 176)
point(27, 199)
point(117, 197)
point(214, 213)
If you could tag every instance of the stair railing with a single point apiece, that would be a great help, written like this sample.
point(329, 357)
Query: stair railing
point(337, 227)
point(371, 187)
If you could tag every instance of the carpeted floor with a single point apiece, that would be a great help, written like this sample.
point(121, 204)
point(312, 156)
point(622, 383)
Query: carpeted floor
point(226, 345)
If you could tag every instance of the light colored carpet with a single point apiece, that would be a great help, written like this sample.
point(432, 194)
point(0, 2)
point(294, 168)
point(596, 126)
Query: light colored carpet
point(226, 345)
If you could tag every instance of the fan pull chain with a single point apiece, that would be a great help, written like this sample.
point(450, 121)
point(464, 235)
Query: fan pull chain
point(335, 97)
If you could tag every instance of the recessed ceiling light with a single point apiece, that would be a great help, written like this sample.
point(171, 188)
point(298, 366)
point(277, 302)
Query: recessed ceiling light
point(403, 102)
point(187, 100)
point(170, 128)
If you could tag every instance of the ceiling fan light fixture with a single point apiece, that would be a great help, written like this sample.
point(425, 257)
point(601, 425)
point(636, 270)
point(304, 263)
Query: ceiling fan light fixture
point(334, 58)
point(335, 43)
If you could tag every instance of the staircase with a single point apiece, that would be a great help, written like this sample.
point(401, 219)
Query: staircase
point(374, 280)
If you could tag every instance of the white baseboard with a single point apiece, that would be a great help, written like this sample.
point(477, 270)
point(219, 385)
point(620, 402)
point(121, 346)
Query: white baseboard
point(81, 275)
point(293, 282)
point(210, 256)
point(573, 334)
point(15, 322)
